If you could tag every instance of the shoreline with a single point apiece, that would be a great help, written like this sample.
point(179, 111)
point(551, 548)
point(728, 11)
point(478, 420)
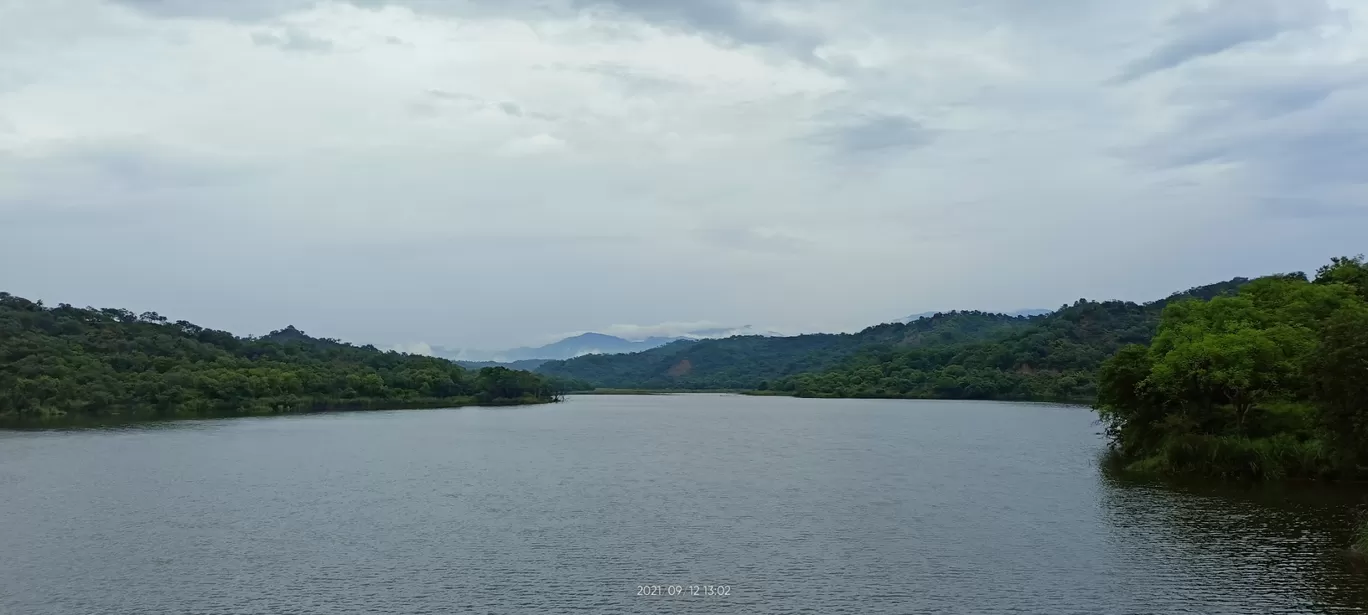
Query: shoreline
point(59, 422)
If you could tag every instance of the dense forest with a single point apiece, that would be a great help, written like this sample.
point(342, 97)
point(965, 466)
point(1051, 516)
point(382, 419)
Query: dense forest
point(1054, 359)
point(957, 355)
point(84, 362)
point(1269, 383)
point(752, 362)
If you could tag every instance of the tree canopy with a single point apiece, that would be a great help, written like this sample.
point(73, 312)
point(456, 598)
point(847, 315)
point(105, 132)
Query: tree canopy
point(956, 355)
point(750, 362)
point(69, 361)
point(1268, 383)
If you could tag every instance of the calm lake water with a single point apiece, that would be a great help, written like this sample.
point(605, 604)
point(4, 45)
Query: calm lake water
point(796, 506)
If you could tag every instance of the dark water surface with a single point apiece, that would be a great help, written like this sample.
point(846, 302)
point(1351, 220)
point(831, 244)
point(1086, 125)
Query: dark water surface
point(798, 506)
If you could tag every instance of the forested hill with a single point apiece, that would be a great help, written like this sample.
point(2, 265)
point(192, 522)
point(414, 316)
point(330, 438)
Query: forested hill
point(747, 362)
point(1270, 383)
point(956, 355)
point(87, 362)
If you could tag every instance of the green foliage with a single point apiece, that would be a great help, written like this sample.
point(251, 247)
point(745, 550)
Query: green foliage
point(744, 362)
point(1349, 271)
point(959, 355)
point(1050, 358)
point(1338, 374)
point(68, 361)
point(1277, 457)
point(1271, 383)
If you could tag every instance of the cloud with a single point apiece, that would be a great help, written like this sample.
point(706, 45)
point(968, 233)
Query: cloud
point(292, 39)
point(737, 20)
point(695, 329)
point(876, 132)
point(236, 10)
point(1225, 24)
point(533, 146)
point(1353, 206)
point(418, 348)
point(100, 180)
point(757, 240)
point(512, 169)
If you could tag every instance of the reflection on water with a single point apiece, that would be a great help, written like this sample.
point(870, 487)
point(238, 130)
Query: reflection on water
point(817, 506)
point(1283, 545)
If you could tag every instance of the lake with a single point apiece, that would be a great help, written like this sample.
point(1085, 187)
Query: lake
point(772, 505)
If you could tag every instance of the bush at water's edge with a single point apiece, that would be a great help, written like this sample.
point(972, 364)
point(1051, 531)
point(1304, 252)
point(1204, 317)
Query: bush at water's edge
point(1360, 546)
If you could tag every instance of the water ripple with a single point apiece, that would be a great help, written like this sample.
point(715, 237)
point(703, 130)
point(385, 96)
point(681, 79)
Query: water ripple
point(796, 506)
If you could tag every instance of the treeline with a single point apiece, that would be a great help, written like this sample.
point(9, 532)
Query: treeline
point(754, 362)
point(88, 362)
point(1269, 383)
point(957, 355)
point(1054, 359)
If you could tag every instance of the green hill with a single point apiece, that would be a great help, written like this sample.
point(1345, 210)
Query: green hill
point(749, 362)
point(1054, 359)
point(87, 362)
point(959, 355)
point(1269, 383)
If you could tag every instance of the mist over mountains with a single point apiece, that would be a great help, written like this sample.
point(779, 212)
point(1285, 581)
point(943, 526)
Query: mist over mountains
point(591, 343)
point(526, 357)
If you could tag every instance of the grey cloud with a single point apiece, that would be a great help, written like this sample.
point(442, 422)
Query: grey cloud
point(292, 39)
point(102, 183)
point(1265, 92)
point(1011, 85)
point(1331, 154)
point(876, 133)
point(236, 10)
point(1303, 163)
point(436, 100)
point(742, 22)
point(1290, 99)
point(1310, 208)
point(1224, 25)
point(728, 18)
point(630, 80)
point(132, 165)
point(752, 240)
point(423, 109)
point(1321, 143)
point(446, 95)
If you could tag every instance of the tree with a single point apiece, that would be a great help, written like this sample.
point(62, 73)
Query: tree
point(1239, 368)
point(1124, 402)
point(74, 361)
point(1350, 271)
point(1339, 377)
point(1295, 349)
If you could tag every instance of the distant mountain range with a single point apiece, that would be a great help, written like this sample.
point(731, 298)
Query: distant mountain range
point(1052, 355)
point(576, 346)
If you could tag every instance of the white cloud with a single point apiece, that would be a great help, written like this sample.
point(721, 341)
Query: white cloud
point(481, 173)
point(418, 348)
point(696, 329)
point(534, 145)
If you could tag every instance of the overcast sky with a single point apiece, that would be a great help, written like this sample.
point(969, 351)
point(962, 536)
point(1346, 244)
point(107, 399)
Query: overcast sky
point(489, 173)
